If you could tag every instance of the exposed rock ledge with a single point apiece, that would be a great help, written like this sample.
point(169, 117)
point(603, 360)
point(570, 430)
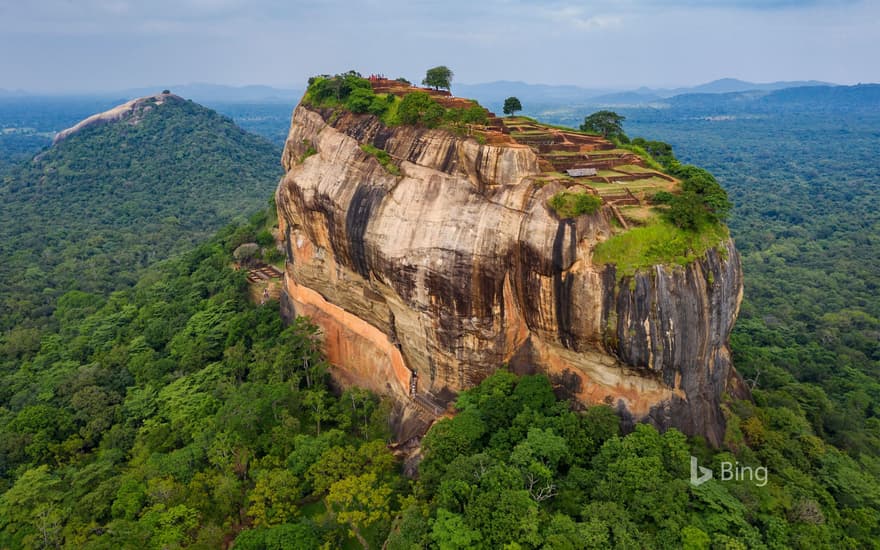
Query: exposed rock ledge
point(433, 279)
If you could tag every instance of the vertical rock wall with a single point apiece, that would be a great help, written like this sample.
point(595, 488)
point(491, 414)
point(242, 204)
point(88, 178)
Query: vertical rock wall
point(433, 279)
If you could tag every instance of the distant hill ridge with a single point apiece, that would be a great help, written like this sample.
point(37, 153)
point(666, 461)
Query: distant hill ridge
point(548, 93)
point(861, 96)
point(119, 191)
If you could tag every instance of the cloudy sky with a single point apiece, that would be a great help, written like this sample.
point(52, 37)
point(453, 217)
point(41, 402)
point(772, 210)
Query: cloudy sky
point(88, 45)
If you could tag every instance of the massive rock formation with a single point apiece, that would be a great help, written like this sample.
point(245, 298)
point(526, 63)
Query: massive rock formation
point(426, 282)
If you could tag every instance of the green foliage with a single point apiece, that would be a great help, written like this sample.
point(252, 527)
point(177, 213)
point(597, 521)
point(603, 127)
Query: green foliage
point(572, 205)
point(310, 150)
point(289, 536)
point(195, 438)
point(418, 108)
point(607, 124)
point(660, 243)
point(360, 502)
point(522, 467)
point(360, 100)
point(657, 150)
point(121, 197)
point(176, 413)
point(329, 91)
point(383, 157)
point(662, 197)
point(450, 532)
point(701, 201)
point(646, 157)
point(511, 106)
point(454, 436)
point(273, 499)
point(438, 77)
point(352, 92)
point(29, 124)
point(457, 118)
point(693, 221)
point(349, 91)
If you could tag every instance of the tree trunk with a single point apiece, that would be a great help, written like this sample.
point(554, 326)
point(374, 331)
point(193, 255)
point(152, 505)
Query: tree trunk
point(360, 537)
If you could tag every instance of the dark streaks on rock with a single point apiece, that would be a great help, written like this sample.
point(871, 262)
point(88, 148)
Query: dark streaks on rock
point(288, 244)
point(414, 268)
point(364, 203)
point(562, 282)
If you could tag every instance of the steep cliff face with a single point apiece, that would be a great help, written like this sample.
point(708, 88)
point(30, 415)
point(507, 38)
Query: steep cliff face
point(426, 282)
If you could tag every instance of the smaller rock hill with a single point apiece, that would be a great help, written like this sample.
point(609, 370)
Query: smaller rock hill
point(119, 191)
point(131, 112)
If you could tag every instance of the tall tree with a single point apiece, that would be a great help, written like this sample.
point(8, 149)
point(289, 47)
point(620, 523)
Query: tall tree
point(438, 78)
point(360, 502)
point(273, 499)
point(512, 105)
point(608, 124)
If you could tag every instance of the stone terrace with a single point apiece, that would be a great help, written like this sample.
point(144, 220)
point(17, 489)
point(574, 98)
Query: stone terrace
point(494, 131)
point(620, 177)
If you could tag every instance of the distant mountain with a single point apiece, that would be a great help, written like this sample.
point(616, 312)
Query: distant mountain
point(494, 92)
point(805, 98)
point(644, 96)
point(120, 191)
point(727, 85)
point(638, 97)
point(862, 95)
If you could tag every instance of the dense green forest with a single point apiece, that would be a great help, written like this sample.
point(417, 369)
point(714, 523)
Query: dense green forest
point(91, 212)
point(516, 468)
point(175, 413)
point(804, 189)
point(27, 124)
point(270, 120)
point(178, 414)
point(800, 169)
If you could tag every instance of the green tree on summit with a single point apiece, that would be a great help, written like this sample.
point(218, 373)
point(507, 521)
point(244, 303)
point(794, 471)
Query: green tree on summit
point(512, 105)
point(420, 108)
point(607, 124)
point(438, 78)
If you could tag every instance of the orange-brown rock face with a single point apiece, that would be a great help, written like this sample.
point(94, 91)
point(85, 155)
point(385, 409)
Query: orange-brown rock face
point(430, 280)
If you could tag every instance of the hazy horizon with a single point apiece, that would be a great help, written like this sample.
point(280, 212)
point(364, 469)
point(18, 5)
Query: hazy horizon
point(96, 45)
point(301, 87)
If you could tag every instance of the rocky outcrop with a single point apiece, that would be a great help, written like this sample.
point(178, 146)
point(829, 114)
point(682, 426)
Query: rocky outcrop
point(132, 111)
point(426, 282)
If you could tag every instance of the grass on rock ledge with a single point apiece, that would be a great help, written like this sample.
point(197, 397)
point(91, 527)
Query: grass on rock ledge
point(659, 243)
point(383, 157)
point(571, 205)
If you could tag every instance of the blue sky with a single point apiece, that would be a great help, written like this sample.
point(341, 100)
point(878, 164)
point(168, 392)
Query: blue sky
point(88, 45)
